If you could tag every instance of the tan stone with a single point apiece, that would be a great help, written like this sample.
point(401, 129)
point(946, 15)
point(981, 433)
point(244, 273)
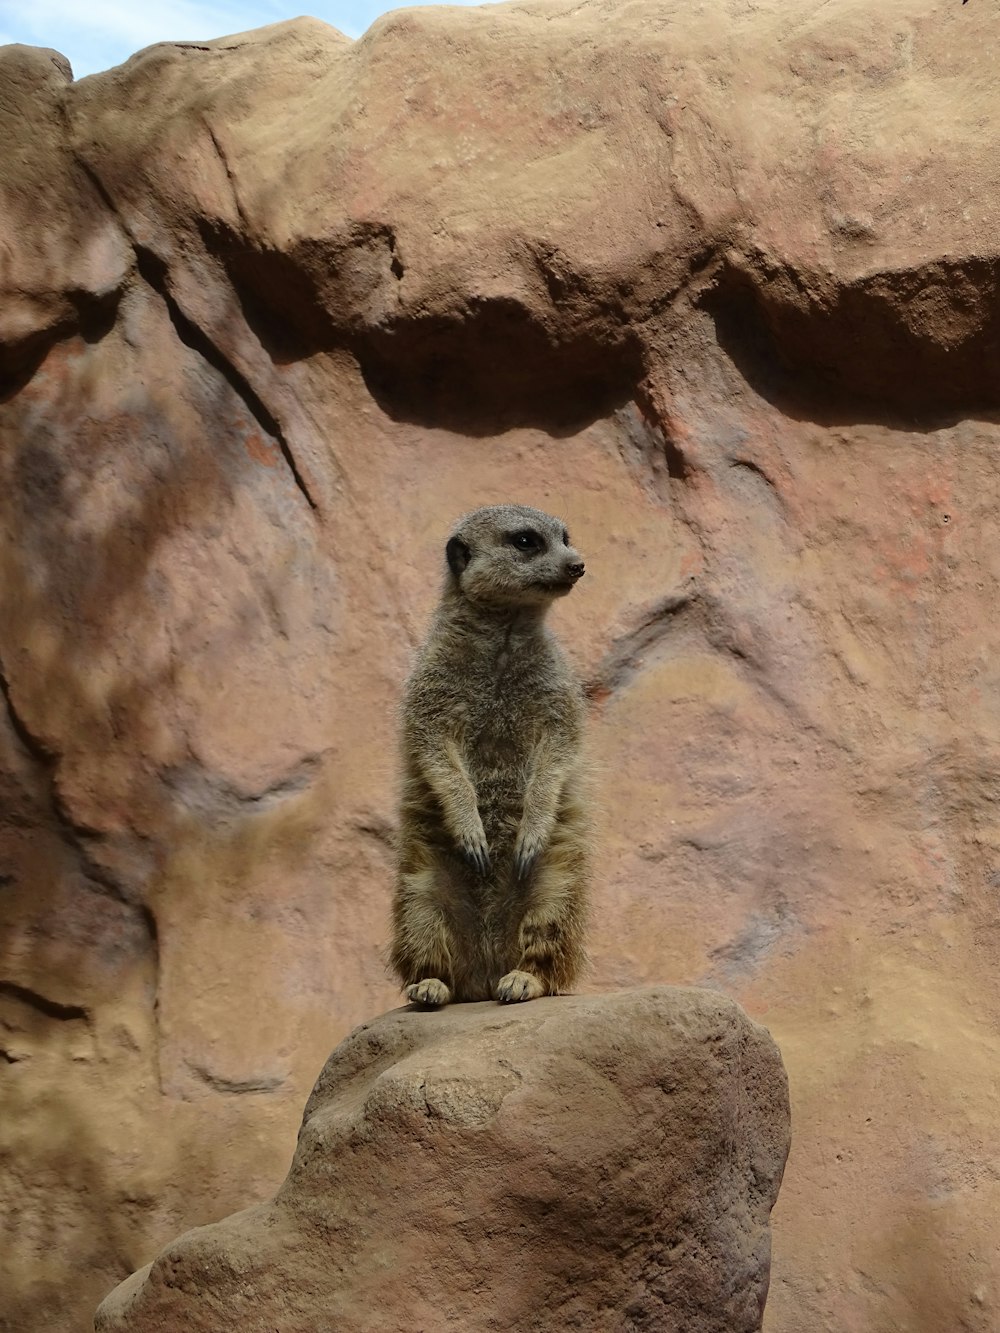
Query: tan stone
point(717, 284)
point(587, 1162)
point(62, 258)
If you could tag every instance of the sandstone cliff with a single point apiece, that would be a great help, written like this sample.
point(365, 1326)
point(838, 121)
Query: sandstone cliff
point(717, 284)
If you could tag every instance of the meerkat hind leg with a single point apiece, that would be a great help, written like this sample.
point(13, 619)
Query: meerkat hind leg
point(432, 993)
point(548, 936)
point(423, 946)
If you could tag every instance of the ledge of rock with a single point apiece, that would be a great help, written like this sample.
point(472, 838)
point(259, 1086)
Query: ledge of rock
point(588, 1162)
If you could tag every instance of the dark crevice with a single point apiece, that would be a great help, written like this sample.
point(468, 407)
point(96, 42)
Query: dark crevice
point(653, 441)
point(221, 154)
point(305, 301)
point(692, 613)
point(153, 271)
point(748, 465)
point(494, 367)
point(379, 831)
point(43, 1005)
point(626, 656)
point(90, 316)
point(99, 878)
point(909, 349)
point(148, 918)
point(96, 312)
point(395, 263)
point(95, 181)
point(694, 620)
point(36, 748)
point(280, 299)
point(19, 361)
point(487, 366)
point(677, 464)
point(218, 801)
point(236, 1086)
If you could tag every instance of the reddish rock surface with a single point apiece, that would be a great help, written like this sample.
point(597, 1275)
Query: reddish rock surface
point(587, 1162)
point(716, 284)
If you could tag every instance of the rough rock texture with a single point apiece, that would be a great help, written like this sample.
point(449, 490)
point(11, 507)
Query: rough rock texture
point(587, 1162)
point(715, 282)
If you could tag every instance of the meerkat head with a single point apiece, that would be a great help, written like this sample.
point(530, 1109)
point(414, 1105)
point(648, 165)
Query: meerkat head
point(511, 556)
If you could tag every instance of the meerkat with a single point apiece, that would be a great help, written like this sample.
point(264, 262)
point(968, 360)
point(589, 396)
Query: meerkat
point(493, 856)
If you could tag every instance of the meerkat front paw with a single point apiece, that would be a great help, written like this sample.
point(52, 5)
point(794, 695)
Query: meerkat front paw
point(517, 986)
point(430, 992)
point(527, 850)
point(474, 849)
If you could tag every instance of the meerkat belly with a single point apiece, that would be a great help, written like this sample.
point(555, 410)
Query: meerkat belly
point(500, 787)
point(500, 748)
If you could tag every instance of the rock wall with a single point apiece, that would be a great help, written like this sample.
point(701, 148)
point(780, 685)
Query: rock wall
point(717, 285)
point(586, 1162)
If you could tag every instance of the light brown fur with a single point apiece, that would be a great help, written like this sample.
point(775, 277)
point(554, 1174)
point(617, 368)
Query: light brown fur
point(493, 876)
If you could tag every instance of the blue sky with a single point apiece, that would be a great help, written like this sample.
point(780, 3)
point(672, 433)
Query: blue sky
point(95, 34)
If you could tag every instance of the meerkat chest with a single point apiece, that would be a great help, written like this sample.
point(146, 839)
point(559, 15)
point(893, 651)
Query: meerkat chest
point(510, 701)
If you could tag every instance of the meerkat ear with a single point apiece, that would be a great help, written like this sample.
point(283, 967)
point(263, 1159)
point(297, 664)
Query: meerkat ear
point(458, 554)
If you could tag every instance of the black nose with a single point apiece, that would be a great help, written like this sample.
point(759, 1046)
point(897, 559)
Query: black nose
point(576, 571)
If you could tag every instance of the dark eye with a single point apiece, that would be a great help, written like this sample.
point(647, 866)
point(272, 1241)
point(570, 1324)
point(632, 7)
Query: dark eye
point(565, 537)
point(527, 540)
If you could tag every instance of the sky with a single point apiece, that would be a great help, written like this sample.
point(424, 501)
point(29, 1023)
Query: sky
point(96, 34)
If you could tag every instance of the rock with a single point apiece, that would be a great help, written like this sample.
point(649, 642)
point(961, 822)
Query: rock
point(63, 277)
point(588, 1162)
point(717, 284)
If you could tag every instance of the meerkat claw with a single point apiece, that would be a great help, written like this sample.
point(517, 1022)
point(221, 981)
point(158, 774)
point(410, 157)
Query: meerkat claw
point(477, 856)
point(525, 859)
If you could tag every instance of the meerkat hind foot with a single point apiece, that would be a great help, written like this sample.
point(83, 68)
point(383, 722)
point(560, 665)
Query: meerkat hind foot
point(517, 986)
point(430, 992)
